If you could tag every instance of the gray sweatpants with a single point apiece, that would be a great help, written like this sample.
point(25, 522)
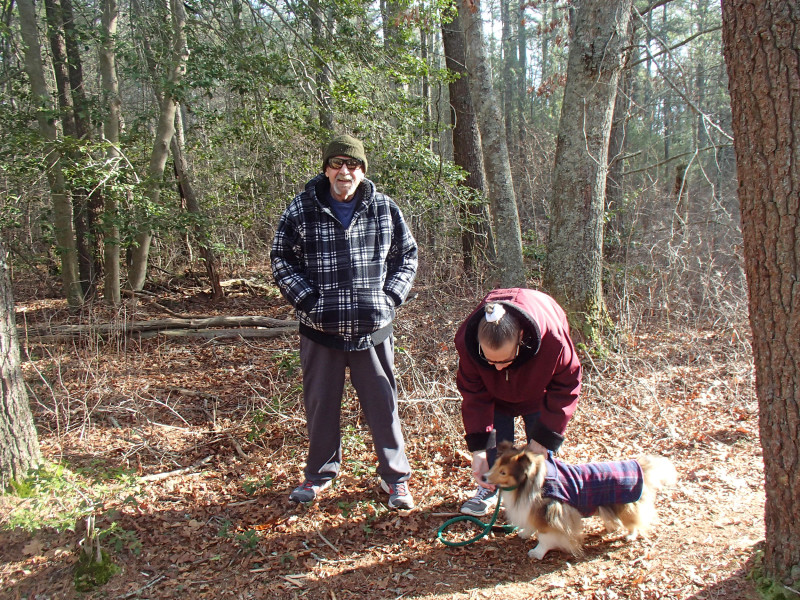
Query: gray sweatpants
point(372, 376)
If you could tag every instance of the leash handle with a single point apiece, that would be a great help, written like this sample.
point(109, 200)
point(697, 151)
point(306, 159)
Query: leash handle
point(487, 527)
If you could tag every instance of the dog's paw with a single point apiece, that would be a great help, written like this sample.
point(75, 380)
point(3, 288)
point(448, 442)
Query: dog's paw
point(525, 533)
point(538, 552)
point(632, 536)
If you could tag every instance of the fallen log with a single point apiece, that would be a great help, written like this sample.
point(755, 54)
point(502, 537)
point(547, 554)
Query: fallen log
point(229, 326)
point(214, 334)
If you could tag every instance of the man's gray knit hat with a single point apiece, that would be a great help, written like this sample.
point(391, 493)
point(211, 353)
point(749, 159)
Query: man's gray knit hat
point(344, 145)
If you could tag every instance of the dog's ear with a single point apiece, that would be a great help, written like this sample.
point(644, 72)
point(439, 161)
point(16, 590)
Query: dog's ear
point(532, 463)
point(504, 446)
point(524, 460)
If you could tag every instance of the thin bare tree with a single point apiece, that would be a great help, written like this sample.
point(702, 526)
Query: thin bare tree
point(168, 105)
point(466, 146)
point(111, 129)
point(503, 201)
point(62, 203)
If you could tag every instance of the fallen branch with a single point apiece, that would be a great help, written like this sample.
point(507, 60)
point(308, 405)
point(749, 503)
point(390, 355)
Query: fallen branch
point(181, 471)
point(144, 587)
point(324, 539)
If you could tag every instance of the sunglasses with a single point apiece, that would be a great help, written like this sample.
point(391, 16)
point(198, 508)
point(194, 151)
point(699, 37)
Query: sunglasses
point(497, 362)
point(352, 163)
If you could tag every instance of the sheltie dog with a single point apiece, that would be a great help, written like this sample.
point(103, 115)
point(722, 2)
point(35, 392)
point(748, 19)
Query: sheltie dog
point(548, 497)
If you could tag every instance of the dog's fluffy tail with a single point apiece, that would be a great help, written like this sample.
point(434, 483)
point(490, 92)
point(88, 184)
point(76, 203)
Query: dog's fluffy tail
point(658, 471)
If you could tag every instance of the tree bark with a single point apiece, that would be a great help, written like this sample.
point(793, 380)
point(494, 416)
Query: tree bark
point(62, 203)
point(466, 148)
point(503, 202)
point(111, 128)
point(522, 75)
point(762, 56)
point(573, 270)
point(19, 444)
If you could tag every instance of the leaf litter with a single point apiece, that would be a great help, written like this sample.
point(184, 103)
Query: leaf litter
point(224, 421)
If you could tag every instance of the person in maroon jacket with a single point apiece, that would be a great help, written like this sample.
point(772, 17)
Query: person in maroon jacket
point(516, 359)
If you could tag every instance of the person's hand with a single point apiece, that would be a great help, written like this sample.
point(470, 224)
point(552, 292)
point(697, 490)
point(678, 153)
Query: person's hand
point(480, 466)
point(536, 447)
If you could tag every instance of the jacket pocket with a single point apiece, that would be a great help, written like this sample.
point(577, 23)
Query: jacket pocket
point(374, 309)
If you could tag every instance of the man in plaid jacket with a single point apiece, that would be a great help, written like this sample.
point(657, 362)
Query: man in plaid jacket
point(345, 259)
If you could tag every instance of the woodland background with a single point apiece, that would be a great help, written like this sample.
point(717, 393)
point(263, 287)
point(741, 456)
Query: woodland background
point(184, 448)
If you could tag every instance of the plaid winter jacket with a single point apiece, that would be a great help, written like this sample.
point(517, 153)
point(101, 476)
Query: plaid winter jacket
point(344, 283)
point(586, 487)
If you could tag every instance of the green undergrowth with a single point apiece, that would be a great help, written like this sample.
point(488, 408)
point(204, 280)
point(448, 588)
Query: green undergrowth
point(54, 496)
point(768, 588)
point(90, 574)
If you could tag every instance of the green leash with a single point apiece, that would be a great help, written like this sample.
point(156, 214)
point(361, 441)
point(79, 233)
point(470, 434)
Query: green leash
point(487, 527)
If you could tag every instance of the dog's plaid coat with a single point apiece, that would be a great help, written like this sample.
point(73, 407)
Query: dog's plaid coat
point(586, 487)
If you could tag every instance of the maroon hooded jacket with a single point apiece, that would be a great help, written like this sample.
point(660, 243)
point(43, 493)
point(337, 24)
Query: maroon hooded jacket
point(545, 377)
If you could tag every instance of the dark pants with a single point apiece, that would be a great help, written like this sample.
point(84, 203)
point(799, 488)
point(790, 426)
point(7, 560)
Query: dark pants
point(372, 376)
point(504, 431)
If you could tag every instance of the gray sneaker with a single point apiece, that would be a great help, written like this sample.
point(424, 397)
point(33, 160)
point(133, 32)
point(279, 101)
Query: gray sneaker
point(399, 496)
point(481, 503)
point(308, 490)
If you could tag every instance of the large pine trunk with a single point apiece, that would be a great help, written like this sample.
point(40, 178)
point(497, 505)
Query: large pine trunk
point(19, 445)
point(762, 56)
point(573, 271)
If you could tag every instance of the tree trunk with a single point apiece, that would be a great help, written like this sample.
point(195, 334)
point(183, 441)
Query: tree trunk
point(189, 196)
point(426, 84)
point(62, 204)
point(72, 102)
point(111, 128)
point(161, 145)
point(615, 204)
point(522, 76)
point(615, 199)
point(503, 201)
point(391, 11)
point(508, 69)
point(573, 271)
point(91, 202)
point(323, 76)
point(466, 148)
point(19, 445)
point(762, 56)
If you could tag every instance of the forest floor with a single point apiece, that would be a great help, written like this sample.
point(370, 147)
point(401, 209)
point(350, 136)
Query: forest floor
point(124, 414)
